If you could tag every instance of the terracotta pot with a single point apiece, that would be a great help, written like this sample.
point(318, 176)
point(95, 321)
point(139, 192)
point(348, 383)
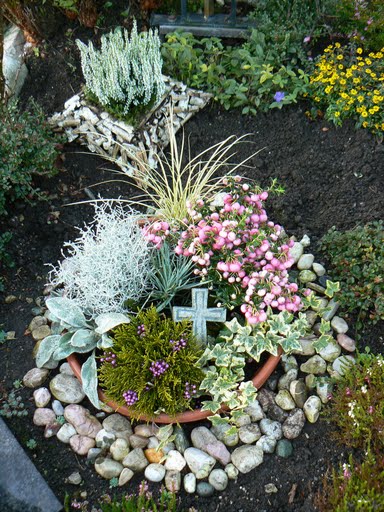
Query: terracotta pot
point(258, 380)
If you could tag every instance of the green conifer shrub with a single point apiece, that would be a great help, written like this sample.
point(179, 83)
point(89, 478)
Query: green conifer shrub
point(151, 366)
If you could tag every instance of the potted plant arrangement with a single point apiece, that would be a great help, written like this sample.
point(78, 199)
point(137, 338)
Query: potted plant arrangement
point(121, 308)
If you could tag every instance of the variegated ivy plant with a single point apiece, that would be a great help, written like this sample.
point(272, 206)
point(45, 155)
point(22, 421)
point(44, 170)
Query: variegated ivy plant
point(227, 355)
point(73, 333)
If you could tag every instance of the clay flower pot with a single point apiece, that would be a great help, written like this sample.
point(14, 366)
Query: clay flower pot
point(258, 380)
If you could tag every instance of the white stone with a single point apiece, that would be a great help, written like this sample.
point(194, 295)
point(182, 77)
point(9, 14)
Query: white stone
point(271, 428)
point(125, 476)
point(305, 241)
point(285, 400)
point(108, 468)
point(175, 461)
point(154, 472)
point(342, 363)
point(118, 425)
point(42, 397)
point(331, 351)
point(312, 408)
point(14, 69)
point(254, 411)
point(136, 460)
point(305, 262)
point(249, 434)
point(231, 471)
point(66, 432)
point(339, 325)
point(104, 439)
point(315, 365)
point(84, 423)
point(199, 462)
point(218, 478)
point(35, 377)
point(81, 444)
point(43, 416)
point(190, 483)
point(267, 444)
point(173, 481)
point(319, 269)
point(67, 389)
point(205, 440)
point(247, 457)
point(296, 251)
point(57, 408)
point(119, 449)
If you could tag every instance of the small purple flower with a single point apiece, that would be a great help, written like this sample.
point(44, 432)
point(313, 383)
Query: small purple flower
point(158, 368)
point(109, 357)
point(306, 39)
point(190, 390)
point(178, 345)
point(279, 96)
point(141, 330)
point(130, 397)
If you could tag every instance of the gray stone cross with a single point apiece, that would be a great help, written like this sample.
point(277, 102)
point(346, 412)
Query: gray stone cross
point(199, 313)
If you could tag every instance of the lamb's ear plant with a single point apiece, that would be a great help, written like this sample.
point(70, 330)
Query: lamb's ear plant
point(73, 333)
point(227, 356)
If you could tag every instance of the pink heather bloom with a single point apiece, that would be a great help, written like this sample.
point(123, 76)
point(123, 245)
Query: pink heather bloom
point(306, 39)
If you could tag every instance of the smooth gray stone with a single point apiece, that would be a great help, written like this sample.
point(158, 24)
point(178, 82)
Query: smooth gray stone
point(29, 492)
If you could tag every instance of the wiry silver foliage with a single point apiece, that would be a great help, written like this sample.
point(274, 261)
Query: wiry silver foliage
point(126, 70)
point(108, 264)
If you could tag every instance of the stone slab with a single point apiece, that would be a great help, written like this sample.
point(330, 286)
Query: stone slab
point(22, 488)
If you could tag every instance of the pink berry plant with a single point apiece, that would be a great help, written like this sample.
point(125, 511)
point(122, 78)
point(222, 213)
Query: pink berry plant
point(238, 250)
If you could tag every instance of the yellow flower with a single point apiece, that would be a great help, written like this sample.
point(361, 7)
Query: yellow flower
point(359, 51)
point(365, 124)
point(360, 99)
point(356, 80)
point(353, 91)
point(361, 64)
point(328, 89)
point(337, 45)
point(339, 57)
point(375, 108)
point(379, 55)
point(368, 61)
point(371, 111)
point(337, 114)
point(340, 66)
point(353, 68)
point(344, 95)
point(343, 82)
point(364, 113)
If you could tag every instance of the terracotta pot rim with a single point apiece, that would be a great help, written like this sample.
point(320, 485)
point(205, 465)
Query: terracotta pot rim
point(258, 380)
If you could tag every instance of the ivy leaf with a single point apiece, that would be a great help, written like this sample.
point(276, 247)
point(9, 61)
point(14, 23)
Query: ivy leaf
point(46, 349)
point(67, 311)
point(321, 342)
point(89, 379)
point(325, 327)
point(211, 406)
point(291, 342)
point(332, 288)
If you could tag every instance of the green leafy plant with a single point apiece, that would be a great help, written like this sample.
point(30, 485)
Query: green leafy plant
point(357, 260)
point(28, 148)
point(247, 77)
point(354, 487)
point(11, 404)
point(126, 71)
point(356, 407)
point(166, 354)
point(5, 257)
point(346, 84)
point(73, 333)
point(361, 21)
point(170, 275)
point(226, 358)
point(31, 444)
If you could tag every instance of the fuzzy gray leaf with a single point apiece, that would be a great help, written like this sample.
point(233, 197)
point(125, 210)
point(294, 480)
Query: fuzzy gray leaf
point(83, 338)
point(89, 380)
point(66, 311)
point(46, 349)
point(108, 321)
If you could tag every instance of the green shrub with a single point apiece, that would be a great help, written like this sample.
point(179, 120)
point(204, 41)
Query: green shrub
point(246, 76)
point(347, 84)
point(144, 502)
point(357, 258)
point(126, 71)
point(354, 487)
point(357, 404)
point(362, 21)
point(27, 149)
point(152, 365)
point(5, 257)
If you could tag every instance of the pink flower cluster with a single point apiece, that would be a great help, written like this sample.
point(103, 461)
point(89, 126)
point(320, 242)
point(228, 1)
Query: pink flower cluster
point(156, 233)
point(236, 247)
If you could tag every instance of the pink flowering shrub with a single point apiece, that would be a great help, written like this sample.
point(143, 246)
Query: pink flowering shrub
point(238, 250)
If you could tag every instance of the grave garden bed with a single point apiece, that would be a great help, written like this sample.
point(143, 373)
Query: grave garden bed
point(332, 177)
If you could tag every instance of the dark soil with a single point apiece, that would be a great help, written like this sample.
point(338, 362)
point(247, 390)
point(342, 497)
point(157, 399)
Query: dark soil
point(331, 176)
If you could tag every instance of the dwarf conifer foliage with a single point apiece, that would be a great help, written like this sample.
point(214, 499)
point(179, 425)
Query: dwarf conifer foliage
point(126, 70)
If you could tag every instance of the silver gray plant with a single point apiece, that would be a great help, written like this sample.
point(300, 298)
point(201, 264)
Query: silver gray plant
point(108, 264)
point(126, 70)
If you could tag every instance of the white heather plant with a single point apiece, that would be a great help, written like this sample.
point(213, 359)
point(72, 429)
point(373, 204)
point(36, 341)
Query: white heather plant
point(126, 70)
point(108, 264)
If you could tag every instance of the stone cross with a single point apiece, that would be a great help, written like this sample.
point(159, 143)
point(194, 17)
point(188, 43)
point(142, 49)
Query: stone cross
point(199, 313)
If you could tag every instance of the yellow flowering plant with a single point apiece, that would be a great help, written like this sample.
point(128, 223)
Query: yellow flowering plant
point(349, 84)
